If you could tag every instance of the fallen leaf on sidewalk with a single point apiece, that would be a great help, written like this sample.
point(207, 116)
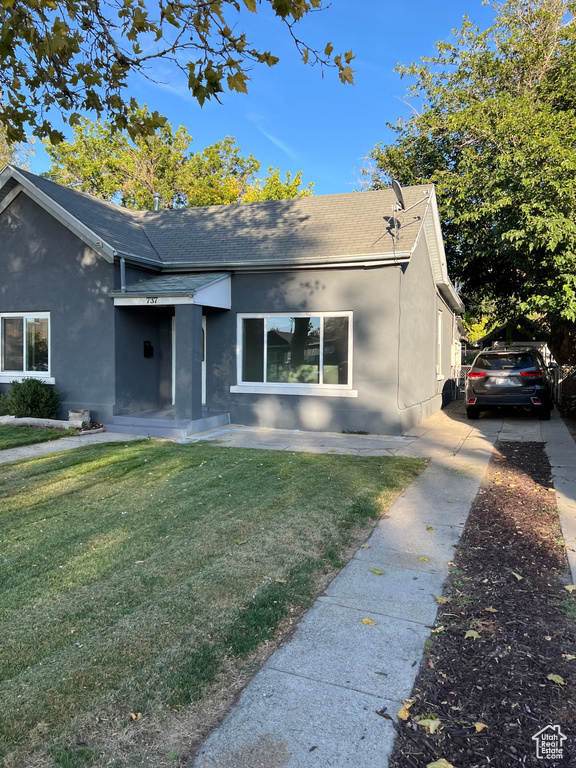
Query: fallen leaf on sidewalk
point(570, 587)
point(369, 622)
point(442, 600)
point(423, 559)
point(377, 571)
point(480, 727)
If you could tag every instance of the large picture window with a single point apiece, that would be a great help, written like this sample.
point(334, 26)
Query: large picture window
point(25, 344)
point(295, 353)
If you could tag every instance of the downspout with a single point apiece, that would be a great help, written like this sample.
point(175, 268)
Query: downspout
point(122, 274)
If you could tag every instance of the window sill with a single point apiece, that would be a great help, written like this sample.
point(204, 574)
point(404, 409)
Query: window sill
point(8, 378)
point(317, 390)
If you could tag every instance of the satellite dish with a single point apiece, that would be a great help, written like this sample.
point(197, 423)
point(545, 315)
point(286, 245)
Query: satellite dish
point(398, 192)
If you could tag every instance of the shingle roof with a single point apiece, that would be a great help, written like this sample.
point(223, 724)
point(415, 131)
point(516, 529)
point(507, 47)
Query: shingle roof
point(300, 230)
point(172, 285)
point(118, 226)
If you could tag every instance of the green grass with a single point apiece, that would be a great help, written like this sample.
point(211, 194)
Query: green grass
point(131, 574)
point(13, 437)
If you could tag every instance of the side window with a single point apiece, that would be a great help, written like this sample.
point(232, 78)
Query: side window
point(25, 343)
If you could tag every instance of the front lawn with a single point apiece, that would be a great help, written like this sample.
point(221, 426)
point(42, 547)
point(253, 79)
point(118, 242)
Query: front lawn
point(14, 437)
point(138, 579)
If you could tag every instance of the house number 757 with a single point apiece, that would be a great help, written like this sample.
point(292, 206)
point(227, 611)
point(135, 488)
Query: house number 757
point(152, 300)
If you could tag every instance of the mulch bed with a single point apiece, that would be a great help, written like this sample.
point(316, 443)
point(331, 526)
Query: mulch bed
point(508, 586)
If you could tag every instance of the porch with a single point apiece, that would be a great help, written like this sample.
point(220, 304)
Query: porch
point(161, 354)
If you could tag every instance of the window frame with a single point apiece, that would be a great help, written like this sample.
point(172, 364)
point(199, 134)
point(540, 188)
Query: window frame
point(439, 327)
point(295, 388)
point(6, 377)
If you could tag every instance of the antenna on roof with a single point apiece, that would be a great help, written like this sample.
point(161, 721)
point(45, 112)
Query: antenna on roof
point(397, 189)
point(400, 207)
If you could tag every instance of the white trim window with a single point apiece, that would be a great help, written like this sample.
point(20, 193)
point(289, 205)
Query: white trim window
point(24, 345)
point(295, 353)
point(439, 375)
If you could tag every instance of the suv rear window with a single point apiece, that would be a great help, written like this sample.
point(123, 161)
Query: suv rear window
point(500, 362)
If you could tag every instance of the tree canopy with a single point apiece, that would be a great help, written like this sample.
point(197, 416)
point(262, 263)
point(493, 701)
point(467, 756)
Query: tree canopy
point(17, 154)
point(77, 56)
point(496, 132)
point(109, 164)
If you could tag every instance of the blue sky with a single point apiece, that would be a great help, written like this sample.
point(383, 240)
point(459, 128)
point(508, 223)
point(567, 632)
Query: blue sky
point(295, 119)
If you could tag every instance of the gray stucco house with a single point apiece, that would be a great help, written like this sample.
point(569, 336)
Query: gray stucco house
point(321, 313)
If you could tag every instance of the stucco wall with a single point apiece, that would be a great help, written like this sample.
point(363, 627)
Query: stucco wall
point(45, 268)
point(370, 294)
point(420, 391)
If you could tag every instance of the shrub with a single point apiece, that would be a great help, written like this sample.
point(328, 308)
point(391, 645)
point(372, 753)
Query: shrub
point(33, 398)
point(4, 407)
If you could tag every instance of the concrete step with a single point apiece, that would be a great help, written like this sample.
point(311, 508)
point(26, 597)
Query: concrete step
point(170, 428)
point(146, 431)
point(208, 421)
point(137, 421)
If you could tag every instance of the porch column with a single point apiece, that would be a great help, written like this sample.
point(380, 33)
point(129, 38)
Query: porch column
point(188, 368)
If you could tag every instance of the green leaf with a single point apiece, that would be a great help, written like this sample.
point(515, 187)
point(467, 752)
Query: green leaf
point(377, 571)
point(237, 82)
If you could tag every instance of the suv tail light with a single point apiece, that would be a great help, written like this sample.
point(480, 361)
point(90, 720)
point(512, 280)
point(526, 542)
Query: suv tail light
point(531, 374)
point(476, 375)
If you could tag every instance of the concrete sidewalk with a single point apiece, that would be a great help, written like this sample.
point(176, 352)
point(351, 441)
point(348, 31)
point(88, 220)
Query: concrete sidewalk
point(319, 699)
point(61, 444)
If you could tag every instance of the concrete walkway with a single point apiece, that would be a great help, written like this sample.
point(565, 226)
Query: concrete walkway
point(62, 444)
point(319, 699)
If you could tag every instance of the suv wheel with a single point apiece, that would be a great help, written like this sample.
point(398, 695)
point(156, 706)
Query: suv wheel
point(544, 413)
point(472, 412)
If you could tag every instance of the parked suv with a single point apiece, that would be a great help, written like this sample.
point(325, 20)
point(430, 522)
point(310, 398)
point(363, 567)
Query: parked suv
point(514, 377)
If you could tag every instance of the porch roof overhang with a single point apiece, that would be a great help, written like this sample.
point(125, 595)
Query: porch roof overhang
point(207, 289)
